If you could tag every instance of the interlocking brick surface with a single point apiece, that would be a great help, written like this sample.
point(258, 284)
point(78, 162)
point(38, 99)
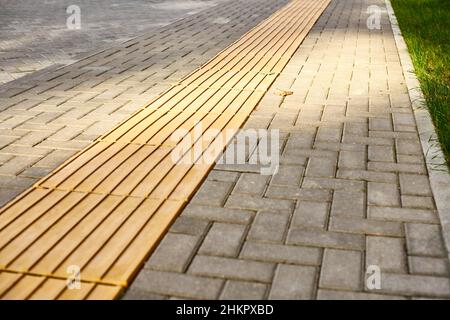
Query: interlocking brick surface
point(387, 253)
point(269, 226)
point(240, 290)
point(53, 113)
point(223, 239)
point(352, 189)
point(36, 36)
point(293, 282)
point(341, 269)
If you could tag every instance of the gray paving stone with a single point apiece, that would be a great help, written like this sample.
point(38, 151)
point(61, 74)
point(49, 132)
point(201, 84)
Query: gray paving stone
point(25, 151)
point(425, 240)
point(366, 226)
point(35, 172)
point(174, 253)
point(402, 214)
point(409, 147)
point(190, 226)
point(281, 253)
point(212, 193)
point(383, 194)
point(341, 269)
point(325, 239)
point(251, 183)
point(387, 253)
point(379, 124)
point(16, 165)
point(7, 194)
point(287, 192)
point(54, 158)
point(218, 214)
point(134, 294)
point(288, 176)
point(101, 23)
point(269, 226)
point(176, 284)
point(32, 138)
point(396, 167)
point(352, 159)
point(413, 159)
point(388, 177)
point(258, 203)
point(14, 183)
point(223, 239)
point(346, 203)
point(293, 282)
point(226, 176)
point(418, 202)
point(402, 119)
point(348, 295)
point(429, 266)
point(241, 290)
point(381, 153)
point(414, 285)
point(232, 269)
point(311, 215)
point(328, 133)
point(415, 185)
point(321, 167)
point(369, 141)
point(295, 160)
point(86, 98)
point(342, 110)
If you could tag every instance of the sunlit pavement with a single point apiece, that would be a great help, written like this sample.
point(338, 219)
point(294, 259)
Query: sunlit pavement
point(351, 197)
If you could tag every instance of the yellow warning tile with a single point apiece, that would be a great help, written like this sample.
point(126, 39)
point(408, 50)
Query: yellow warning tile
point(27, 217)
point(106, 208)
point(49, 290)
point(23, 288)
point(145, 242)
point(77, 294)
point(103, 292)
point(7, 280)
point(53, 244)
point(17, 207)
point(81, 243)
point(21, 234)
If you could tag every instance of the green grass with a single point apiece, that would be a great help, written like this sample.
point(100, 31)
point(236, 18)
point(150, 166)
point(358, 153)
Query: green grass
point(425, 25)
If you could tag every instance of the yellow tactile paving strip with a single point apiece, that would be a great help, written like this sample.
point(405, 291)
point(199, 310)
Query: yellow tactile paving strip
point(106, 208)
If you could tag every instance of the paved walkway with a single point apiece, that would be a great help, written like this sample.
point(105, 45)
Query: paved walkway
point(47, 117)
point(35, 238)
point(34, 37)
point(352, 189)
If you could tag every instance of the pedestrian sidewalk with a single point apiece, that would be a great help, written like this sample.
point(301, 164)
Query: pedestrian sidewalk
point(352, 190)
point(50, 115)
point(52, 228)
point(34, 35)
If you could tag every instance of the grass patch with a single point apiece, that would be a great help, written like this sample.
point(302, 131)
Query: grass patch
point(425, 25)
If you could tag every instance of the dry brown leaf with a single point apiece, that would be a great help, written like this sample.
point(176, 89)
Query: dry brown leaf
point(283, 93)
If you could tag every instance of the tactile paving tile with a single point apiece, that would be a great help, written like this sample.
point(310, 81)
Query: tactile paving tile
point(105, 209)
point(34, 287)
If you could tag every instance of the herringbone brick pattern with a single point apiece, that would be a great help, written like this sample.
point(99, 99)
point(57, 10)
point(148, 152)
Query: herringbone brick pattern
point(34, 36)
point(352, 190)
point(46, 118)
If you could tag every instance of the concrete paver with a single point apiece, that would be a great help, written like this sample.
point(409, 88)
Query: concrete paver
point(34, 37)
point(352, 190)
point(49, 116)
point(355, 191)
point(136, 216)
